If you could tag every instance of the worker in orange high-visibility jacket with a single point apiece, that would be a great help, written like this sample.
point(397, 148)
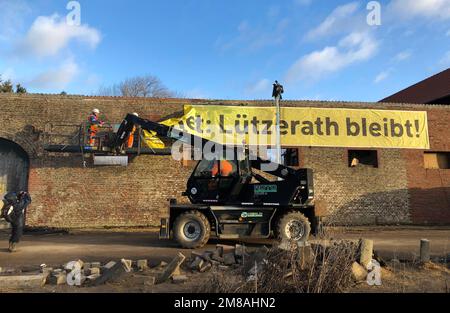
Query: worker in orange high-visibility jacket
point(94, 123)
point(226, 168)
point(130, 141)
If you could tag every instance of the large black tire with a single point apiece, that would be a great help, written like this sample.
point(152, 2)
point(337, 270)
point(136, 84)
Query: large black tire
point(293, 226)
point(191, 230)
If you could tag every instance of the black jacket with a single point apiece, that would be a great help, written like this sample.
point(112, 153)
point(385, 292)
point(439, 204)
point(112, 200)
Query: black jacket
point(19, 202)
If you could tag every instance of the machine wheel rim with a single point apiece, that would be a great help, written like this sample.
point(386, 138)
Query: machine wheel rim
point(295, 230)
point(192, 230)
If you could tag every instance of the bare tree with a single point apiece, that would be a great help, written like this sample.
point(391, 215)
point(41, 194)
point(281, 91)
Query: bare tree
point(140, 86)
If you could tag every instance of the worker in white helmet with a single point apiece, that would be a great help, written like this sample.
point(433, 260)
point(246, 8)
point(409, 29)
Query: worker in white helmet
point(94, 123)
point(130, 141)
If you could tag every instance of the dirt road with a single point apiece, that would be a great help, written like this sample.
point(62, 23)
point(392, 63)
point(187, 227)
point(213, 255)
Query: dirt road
point(103, 246)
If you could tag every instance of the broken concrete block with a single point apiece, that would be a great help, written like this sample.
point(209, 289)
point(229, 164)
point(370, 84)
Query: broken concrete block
point(110, 271)
point(215, 263)
point(229, 258)
point(196, 254)
point(109, 265)
point(196, 264)
point(96, 264)
point(205, 267)
point(127, 265)
point(59, 278)
point(87, 266)
point(93, 271)
point(142, 265)
point(93, 277)
point(23, 281)
point(366, 252)
point(171, 268)
point(217, 254)
point(179, 279)
point(226, 249)
point(359, 273)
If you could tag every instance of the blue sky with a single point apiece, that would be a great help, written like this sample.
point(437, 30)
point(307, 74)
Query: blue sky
point(227, 49)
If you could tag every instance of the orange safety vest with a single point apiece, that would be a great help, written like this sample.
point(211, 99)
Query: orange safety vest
point(130, 141)
point(226, 168)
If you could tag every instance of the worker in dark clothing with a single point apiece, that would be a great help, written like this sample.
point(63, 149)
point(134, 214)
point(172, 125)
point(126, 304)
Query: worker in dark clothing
point(13, 211)
point(278, 90)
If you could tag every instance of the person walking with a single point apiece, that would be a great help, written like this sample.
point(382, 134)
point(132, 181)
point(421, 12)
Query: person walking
point(13, 211)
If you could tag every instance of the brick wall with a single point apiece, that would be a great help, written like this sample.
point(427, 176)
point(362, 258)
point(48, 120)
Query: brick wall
point(430, 188)
point(67, 195)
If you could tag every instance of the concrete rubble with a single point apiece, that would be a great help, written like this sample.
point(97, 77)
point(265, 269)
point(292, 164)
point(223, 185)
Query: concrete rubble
point(252, 260)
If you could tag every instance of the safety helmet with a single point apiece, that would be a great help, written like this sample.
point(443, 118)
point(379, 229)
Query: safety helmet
point(96, 111)
point(135, 114)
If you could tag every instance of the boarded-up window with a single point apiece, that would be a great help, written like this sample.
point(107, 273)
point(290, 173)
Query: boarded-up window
point(436, 160)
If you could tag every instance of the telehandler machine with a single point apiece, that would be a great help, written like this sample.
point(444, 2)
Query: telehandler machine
point(233, 198)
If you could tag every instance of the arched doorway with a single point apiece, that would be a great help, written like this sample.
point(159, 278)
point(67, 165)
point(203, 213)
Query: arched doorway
point(14, 167)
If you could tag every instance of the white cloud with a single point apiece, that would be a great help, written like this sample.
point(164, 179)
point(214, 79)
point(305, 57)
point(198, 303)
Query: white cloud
point(382, 76)
point(403, 55)
point(333, 21)
point(58, 78)
point(50, 34)
point(356, 47)
point(261, 86)
point(409, 9)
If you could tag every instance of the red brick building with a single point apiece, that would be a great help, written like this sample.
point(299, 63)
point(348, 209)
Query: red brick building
point(406, 186)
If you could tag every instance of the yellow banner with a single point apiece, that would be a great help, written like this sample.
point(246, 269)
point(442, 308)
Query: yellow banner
point(315, 127)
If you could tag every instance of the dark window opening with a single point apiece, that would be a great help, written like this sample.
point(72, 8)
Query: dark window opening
point(358, 158)
point(291, 157)
point(437, 160)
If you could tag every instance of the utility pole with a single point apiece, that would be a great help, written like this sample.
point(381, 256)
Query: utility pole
point(278, 90)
